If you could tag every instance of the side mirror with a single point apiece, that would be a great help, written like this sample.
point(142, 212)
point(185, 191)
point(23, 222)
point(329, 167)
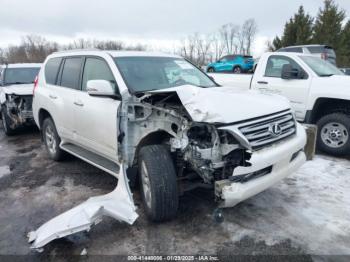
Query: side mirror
point(288, 72)
point(102, 88)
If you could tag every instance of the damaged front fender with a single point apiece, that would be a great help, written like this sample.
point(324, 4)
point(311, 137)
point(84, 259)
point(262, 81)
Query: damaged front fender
point(118, 204)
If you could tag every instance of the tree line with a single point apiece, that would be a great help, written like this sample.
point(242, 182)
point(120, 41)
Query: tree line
point(228, 39)
point(34, 48)
point(329, 27)
point(200, 49)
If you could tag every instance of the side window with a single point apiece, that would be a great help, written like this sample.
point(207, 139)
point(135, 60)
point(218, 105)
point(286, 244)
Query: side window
point(51, 70)
point(275, 63)
point(294, 50)
point(97, 69)
point(1, 76)
point(71, 72)
point(223, 59)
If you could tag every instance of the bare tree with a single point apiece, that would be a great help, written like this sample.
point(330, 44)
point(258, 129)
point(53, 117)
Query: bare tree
point(248, 32)
point(217, 46)
point(229, 34)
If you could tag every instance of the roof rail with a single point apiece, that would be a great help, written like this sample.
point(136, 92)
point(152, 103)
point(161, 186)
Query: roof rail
point(77, 50)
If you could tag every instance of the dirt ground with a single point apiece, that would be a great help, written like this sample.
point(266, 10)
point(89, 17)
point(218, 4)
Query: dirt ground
point(307, 214)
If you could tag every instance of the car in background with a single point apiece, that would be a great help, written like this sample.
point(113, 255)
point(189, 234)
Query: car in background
point(323, 51)
point(16, 95)
point(232, 63)
point(346, 71)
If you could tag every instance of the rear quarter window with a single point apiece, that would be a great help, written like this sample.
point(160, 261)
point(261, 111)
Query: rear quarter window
point(71, 73)
point(294, 50)
point(51, 70)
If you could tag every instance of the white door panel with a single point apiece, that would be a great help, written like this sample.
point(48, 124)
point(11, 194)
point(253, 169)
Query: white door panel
point(296, 90)
point(96, 124)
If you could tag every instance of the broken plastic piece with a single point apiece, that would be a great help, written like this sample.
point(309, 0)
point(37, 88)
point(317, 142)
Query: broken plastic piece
point(118, 204)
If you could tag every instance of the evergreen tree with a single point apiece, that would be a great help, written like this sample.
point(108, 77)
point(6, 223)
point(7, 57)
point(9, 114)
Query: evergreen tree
point(328, 25)
point(343, 54)
point(297, 31)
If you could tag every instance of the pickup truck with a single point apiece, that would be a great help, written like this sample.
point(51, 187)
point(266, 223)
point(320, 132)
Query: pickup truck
point(160, 116)
point(318, 91)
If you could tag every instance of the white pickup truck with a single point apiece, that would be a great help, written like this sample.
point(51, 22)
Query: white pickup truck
point(318, 91)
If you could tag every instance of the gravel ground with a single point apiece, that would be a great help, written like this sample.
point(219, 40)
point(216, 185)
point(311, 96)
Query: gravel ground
point(305, 215)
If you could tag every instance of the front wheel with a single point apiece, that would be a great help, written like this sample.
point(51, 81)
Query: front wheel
point(334, 134)
point(237, 70)
point(158, 183)
point(52, 140)
point(210, 70)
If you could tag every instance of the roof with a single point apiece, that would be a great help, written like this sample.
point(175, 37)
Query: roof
point(110, 52)
point(22, 65)
point(305, 46)
point(288, 54)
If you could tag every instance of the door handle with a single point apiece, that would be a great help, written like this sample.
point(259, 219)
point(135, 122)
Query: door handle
point(78, 103)
point(52, 96)
point(263, 82)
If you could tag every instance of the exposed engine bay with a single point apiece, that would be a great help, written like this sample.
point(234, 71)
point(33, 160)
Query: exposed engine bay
point(197, 148)
point(18, 108)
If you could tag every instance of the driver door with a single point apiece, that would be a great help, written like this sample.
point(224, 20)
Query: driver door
point(296, 90)
point(96, 117)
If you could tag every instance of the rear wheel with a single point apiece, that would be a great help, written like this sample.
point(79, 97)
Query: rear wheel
point(210, 70)
point(334, 134)
point(6, 122)
point(52, 140)
point(158, 183)
point(237, 70)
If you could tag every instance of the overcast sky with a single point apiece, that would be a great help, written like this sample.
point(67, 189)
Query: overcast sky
point(158, 23)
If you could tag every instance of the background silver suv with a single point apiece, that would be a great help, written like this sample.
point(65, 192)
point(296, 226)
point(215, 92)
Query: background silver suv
point(323, 51)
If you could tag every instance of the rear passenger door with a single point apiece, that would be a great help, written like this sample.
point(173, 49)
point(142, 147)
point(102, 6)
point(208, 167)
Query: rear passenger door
point(61, 90)
point(96, 125)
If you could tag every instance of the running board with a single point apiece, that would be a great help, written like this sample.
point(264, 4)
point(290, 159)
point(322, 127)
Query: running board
point(92, 158)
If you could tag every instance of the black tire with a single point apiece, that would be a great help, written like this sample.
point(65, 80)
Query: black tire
point(210, 70)
point(52, 143)
point(163, 202)
point(237, 70)
point(6, 122)
point(339, 121)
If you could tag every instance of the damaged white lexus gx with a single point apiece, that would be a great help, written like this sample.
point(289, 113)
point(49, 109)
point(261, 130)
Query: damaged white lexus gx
point(157, 119)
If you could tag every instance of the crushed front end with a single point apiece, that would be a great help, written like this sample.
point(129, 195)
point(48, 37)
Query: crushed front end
point(18, 109)
point(277, 142)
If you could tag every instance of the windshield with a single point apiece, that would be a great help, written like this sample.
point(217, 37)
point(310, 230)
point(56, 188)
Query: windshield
point(154, 73)
point(320, 66)
point(20, 75)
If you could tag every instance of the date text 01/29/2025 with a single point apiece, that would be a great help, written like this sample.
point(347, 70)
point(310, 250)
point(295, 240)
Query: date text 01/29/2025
point(173, 258)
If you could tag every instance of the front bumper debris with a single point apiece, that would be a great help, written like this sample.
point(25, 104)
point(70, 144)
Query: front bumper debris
point(118, 204)
point(281, 160)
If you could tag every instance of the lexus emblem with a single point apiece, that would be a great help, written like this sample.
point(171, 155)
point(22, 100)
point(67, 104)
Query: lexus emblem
point(275, 129)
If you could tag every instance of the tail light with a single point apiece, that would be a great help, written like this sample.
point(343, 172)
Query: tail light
point(324, 56)
point(36, 80)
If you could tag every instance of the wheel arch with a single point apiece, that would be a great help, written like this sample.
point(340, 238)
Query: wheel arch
point(153, 138)
point(43, 114)
point(325, 105)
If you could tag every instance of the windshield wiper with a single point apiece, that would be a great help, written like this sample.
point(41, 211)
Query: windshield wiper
point(19, 83)
point(326, 75)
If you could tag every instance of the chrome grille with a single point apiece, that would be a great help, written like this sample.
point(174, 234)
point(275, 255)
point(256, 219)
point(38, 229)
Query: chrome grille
point(267, 130)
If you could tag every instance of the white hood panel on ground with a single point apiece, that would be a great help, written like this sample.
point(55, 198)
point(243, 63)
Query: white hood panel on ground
point(226, 104)
point(25, 89)
point(118, 204)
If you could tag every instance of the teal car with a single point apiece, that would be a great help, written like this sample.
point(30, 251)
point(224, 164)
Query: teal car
point(232, 63)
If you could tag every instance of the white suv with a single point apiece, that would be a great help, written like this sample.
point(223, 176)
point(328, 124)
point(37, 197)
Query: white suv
point(16, 88)
point(166, 120)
